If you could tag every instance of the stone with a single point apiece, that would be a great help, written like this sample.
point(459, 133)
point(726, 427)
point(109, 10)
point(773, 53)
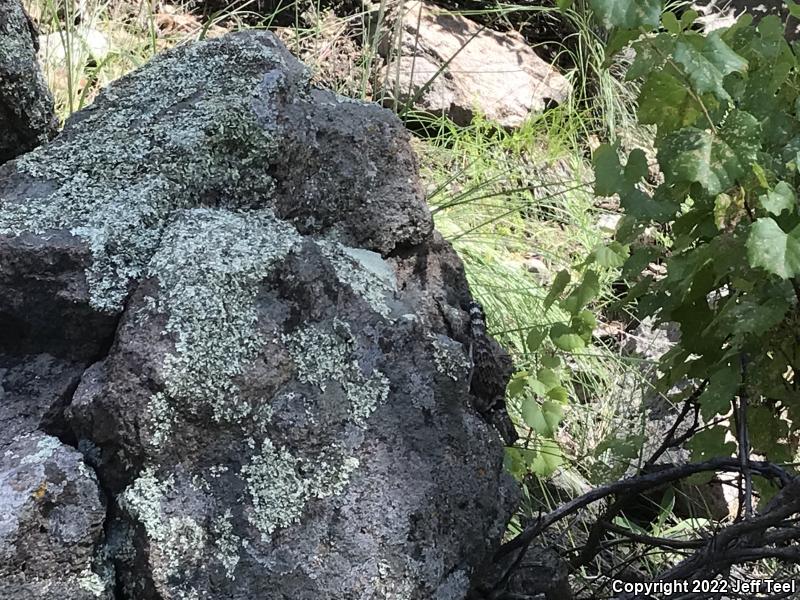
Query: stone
point(447, 64)
point(254, 337)
point(51, 523)
point(26, 104)
point(88, 45)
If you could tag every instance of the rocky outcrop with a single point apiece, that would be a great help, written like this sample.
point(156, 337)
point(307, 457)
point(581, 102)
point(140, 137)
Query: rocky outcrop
point(447, 64)
point(223, 287)
point(26, 105)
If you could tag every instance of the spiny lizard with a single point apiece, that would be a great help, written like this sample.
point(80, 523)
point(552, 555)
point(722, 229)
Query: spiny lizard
point(491, 371)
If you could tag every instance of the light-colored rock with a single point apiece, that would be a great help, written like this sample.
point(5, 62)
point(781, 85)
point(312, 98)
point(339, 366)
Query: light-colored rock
point(85, 45)
point(446, 64)
point(535, 264)
point(607, 223)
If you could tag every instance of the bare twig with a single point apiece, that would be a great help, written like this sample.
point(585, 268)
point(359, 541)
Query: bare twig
point(745, 491)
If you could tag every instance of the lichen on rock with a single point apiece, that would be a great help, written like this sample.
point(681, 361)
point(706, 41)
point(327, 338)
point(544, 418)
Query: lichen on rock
point(209, 266)
point(26, 104)
point(209, 151)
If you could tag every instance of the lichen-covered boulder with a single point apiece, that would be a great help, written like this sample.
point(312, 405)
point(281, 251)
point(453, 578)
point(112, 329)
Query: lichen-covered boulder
point(51, 523)
point(26, 105)
point(276, 395)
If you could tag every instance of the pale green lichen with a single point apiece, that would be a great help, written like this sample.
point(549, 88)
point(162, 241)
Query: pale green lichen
point(46, 446)
point(364, 271)
point(91, 582)
point(177, 543)
point(182, 131)
point(142, 500)
point(281, 484)
point(278, 491)
point(227, 543)
point(324, 357)
point(161, 418)
point(209, 266)
point(394, 582)
point(450, 358)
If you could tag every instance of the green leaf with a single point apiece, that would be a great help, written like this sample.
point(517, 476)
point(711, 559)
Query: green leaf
point(638, 261)
point(548, 377)
point(651, 54)
point(610, 256)
point(553, 413)
point(619, 40)
point(518, 384)
point(551, 362)
point(608, 174)
point(548, 458)
point(741, 131)
point(537, 387)
point(707, 61)
point(693, 155)
point(559, 394)
point(722, 388)
point(769, 248)
point(584, 323)
point(747, 316)
point(564, 4)
point(585, 292)
point(533, 416)
point(560, 283)
point(543, 419)
point(565, 339)
point(671, 23)
point(688, 18)
point(779, 199)
point(518, 461)
point(535, 338)
point(666, 103)
point(710, 443)
point(628, 13)
point(636, 168)
point(728, 210)
point(766, 429)
point(761, 175)
point(794, 8)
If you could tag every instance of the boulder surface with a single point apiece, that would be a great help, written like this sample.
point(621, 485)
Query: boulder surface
point(222, 287)
point(26, 105)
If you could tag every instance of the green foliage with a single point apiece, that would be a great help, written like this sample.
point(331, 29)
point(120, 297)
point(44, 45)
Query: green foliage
point(627, 13)
point(726, 112)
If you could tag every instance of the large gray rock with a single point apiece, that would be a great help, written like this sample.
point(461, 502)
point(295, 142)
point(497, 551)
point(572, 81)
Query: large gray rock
point(447, 64)
point(26, 105)
point(51, 523)
point(278, 403)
